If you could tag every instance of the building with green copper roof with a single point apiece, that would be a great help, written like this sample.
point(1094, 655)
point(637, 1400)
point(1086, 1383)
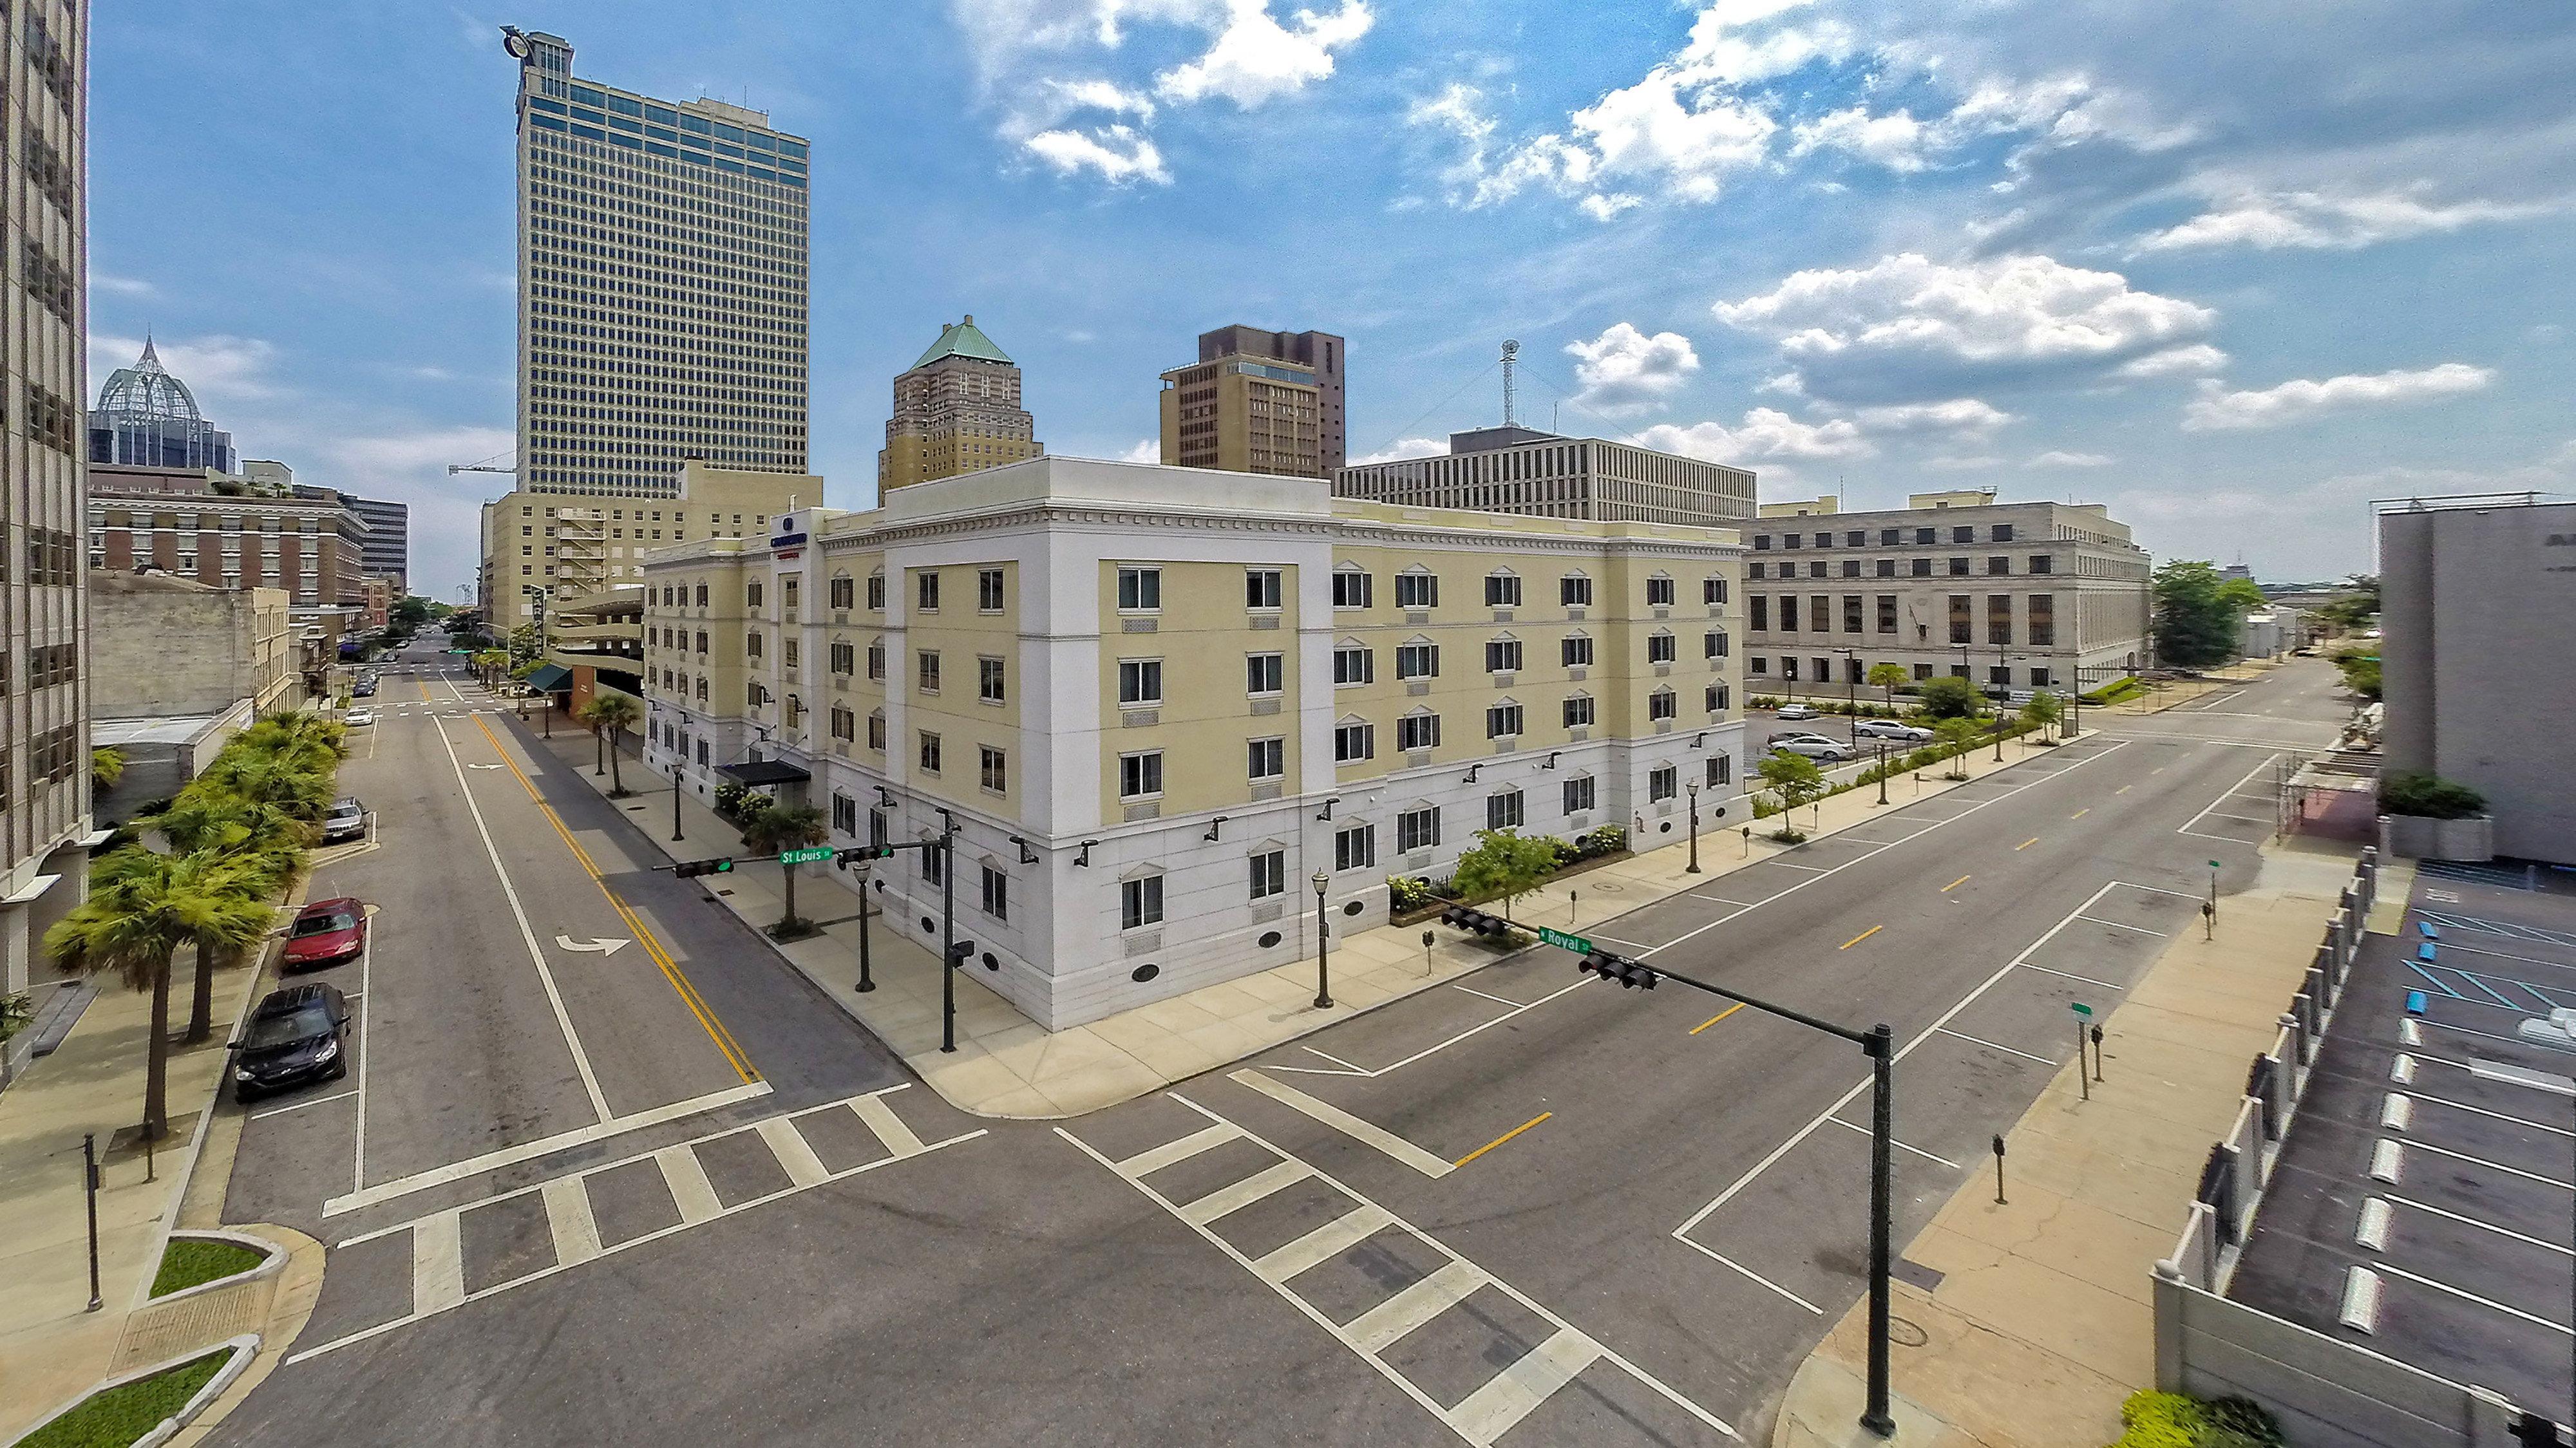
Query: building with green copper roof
point(956, 410)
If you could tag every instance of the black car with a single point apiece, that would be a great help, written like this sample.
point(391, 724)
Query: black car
point(364, 689)
point(295, 1036)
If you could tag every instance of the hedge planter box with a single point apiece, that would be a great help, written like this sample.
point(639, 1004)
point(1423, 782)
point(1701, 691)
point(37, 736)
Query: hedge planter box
point(2415, 837)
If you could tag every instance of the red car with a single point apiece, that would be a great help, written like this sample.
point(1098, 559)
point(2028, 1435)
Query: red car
point(326, 932)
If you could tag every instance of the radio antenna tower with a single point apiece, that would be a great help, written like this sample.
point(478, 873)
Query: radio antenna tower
point(1511, 360)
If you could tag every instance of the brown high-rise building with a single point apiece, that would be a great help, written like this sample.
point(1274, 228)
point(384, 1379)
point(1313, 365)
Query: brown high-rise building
point(958, 410)
point(1257, 402)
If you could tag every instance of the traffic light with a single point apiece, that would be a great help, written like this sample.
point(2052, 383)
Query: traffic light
point(1628, 973)
point(1473, 921)
point(863, 852)
point(687, 868)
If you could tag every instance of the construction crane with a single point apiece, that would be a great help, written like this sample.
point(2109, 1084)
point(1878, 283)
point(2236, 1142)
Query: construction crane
point(485, 466)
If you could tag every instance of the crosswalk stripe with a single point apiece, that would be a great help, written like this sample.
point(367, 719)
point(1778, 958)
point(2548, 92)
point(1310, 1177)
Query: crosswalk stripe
point(1510, 1395)
point(437, 1263)
point(1382, 1326)
point(1322, 1244)
point(1245, 1192)
point(1206, 1138)
point(568, 1218)
point(898, 1138)
point(803, 1167)
point(690, 1189)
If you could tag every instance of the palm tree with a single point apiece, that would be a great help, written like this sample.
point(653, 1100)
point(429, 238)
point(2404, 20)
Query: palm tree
point(142, 908)
point(291, 728)
point(294, 782)
point(489, 664)
point(106, 767)
point(265, 848)
point(608, 716)
point(774, 829)
point(1888, 677)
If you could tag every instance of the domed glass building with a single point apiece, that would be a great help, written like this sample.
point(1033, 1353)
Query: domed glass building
point(147, 418)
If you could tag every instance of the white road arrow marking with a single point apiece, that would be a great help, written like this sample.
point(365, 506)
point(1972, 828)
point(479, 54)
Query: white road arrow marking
point(482, 766)
point(605, 945)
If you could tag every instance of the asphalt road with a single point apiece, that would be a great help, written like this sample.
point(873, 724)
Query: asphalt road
point(1676, 1222)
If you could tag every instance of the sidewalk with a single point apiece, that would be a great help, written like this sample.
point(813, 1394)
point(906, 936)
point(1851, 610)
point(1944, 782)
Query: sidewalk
point(2044, 1319)
point(2160, 697)
point(1006, 1065)
point(53, 1350)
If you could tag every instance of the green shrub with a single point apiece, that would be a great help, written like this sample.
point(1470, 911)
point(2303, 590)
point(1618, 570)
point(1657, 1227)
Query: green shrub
point(1949, 697)
point(123, 1414)
point(2414, 792)
point(1408, 892)
point(729, 797)
point(2172, 1420)
point(1607, 840)
point(191, 1261)
point(2240, 1418)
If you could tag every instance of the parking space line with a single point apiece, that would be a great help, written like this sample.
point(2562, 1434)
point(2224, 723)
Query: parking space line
point(2474, 1222)
point(2462, 1030)
point(2548, 1081)
point(300, 1105)
point(2480, 1301)
point(1498, 1000)
point(2070, 975)
point(527, 932)
point(1720, 1257)
point(2500, 1000)
point(2498, 1115)
point(1996, 1046)
point(1900, 1146)
point(2118, 925)
point(2494, 1165)
point(1367, 1133)
point(2250, 775)
point(1813, 869)
point(2437, 982)
point(2452, 946)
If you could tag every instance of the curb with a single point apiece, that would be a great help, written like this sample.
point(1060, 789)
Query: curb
point(243, 1348)
point(272, 1260)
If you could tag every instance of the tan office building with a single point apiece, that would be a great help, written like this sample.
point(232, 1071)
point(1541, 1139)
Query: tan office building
point(544, 549)
point(1257, 401)
point(1160, 701)
point(957, 409)
point(1513, 469)
point(2017, 596)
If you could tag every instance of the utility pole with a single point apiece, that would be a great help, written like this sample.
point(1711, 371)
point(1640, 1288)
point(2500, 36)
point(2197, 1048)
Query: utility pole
point(1693, 867)
point(947, 932)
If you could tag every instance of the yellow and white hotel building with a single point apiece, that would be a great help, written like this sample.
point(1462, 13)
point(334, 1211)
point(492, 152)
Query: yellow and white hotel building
point(1160, 700)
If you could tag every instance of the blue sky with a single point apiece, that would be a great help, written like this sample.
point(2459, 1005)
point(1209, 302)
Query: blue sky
point(2235, 274)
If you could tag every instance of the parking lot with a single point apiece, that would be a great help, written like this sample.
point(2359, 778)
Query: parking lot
point(2425, 1200)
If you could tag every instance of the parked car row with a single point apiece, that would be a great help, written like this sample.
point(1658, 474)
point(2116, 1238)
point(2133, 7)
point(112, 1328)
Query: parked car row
point(299, 1032)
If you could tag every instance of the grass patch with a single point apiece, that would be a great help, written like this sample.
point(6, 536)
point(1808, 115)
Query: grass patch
point(115, 1418)
point(192, 1261)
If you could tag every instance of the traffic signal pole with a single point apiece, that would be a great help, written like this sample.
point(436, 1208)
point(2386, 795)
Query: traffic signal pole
point(1879, 1045)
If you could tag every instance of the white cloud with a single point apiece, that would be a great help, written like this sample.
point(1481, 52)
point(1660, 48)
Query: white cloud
point(1961, 464)
point(2217, 409)
point(2070, 460)
point(1963, 415)
point(1625, 371)
point(1149, 450)
point(1908, 326)
point(218, 368)
point(100, 281)
point(1766, 434)
point(1403, 448)
point(1256, 59)
point(2175, 361)
point(1118, 152)
point(2313, 220)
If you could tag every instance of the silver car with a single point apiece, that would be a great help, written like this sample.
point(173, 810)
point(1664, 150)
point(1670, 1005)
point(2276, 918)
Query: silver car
point(345, 820)
point(1891, 730)
point(1814, 746)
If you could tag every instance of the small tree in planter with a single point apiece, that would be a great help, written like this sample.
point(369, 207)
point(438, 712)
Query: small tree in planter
point(775, 829)
point(1951, 697)
point(1794, 780)
point(1890, 677)
point(1958, 736)
point(2042, 714)
point(1504, 865)
point(609, 716)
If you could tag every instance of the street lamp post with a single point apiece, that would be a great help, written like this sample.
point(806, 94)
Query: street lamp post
point(948, 932)
point(678, 764)
point(1851, 693)
point(1323, 945)
point(867, 982)
point(1882, 772)
point(1693, 867)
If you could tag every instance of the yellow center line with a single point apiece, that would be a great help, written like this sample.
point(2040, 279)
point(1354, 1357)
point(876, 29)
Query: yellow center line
point(2081, 813)
point(1864, 935)
point(1713, 1020)
point(1955, 884)
point(2026, 844)
point(1506, 1136)
point(2124, 789)
point(688, 993)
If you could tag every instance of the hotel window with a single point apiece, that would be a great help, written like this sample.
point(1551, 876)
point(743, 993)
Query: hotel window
point(1351, 588)
point(1140, 590)
point(997, 896)
point(1140, 902)
point(1502, 655)
point(1661, 704)
point(926, 590)
point(1713, 644)
point(1417, 660)
point(1663, 782)
point(1721, 770)
point(1354, 741)
point(876, 659)
point(988, 590)
point(1712, 589)
point(1715, 697)
point(843, 591)
point(1659, 647)
point(1353, 664)
point(1503, 721)
point(844, 658)
point(1355, 848)
point(1503, 811)
point(1502, 590)
point(1580, 794)
point(1417, 829)
point(988, 680)
point(1659, 591)
point(1261, 589)
point(1578, 712)
point(876, 592)
point(1574, 590)
point(1268, 759)
point(1140, 683)
point(787, 588)
point(1574, 651)
point(1140, 776)
point(929, 752)
point(1264, 673)
point(1417, 590)
point(993, 770)
point(926, 675)
point(1269, 872)
point(1417, 731)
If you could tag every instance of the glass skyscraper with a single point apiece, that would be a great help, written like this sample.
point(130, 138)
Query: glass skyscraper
point(662, 284)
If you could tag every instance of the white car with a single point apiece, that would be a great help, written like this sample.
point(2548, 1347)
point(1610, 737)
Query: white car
point(1890, 729)
point(359, 718)
point(1796, 711)
point(1814, 746)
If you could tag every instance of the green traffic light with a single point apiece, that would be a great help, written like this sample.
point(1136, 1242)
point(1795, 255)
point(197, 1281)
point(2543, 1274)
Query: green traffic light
point(724, 867)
